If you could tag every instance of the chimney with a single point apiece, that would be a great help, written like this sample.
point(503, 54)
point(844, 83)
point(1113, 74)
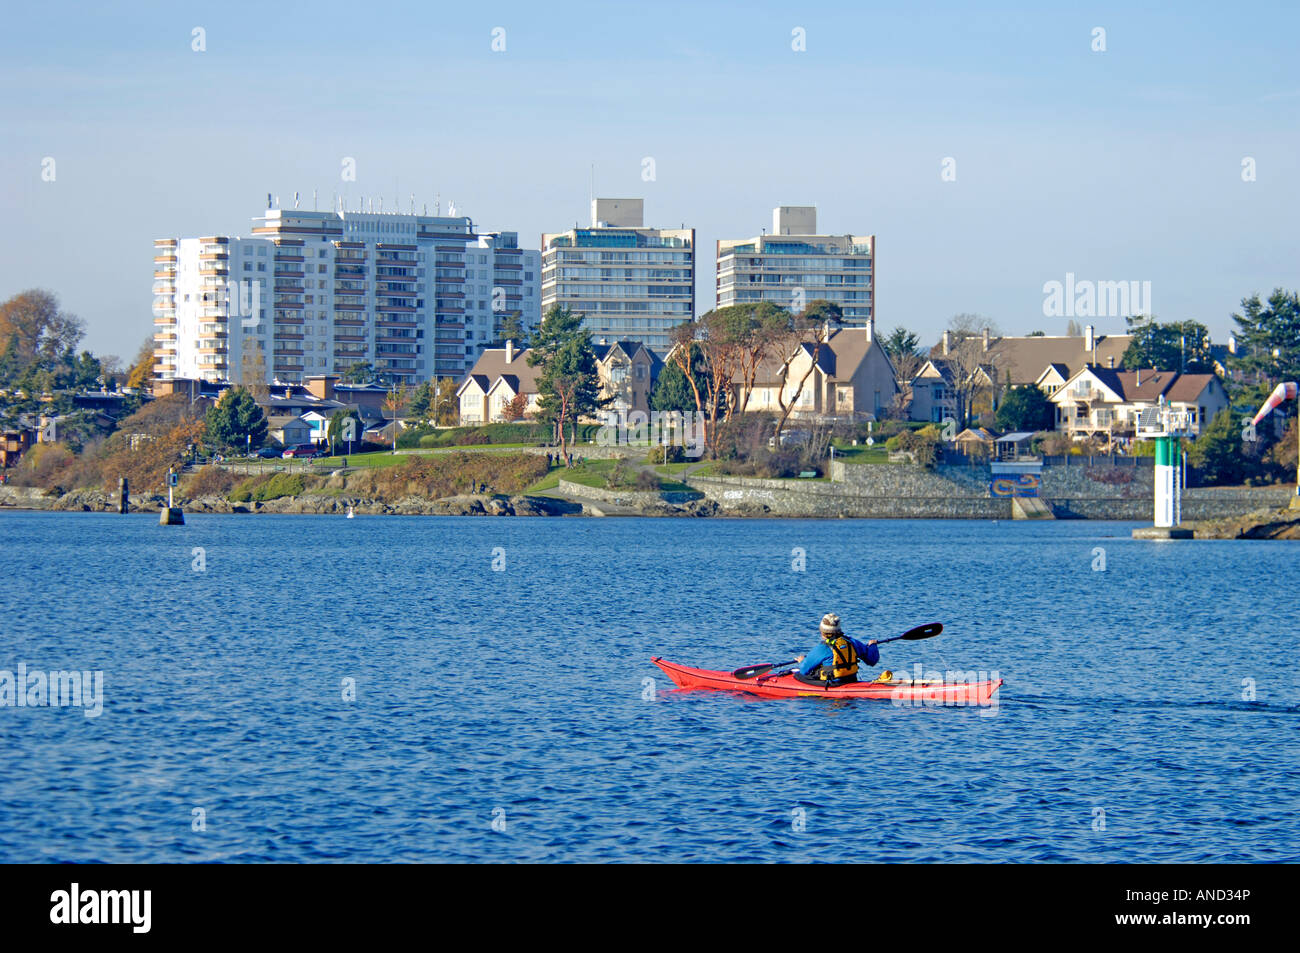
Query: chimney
point(1139, 380)
point(510, 351)
point(1090, 339)
point(986, 339)
point(1110, 362)
point(871, 329)
point(321, 386)
point(947, 341)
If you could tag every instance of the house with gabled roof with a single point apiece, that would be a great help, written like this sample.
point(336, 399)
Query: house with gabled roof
point(935, 392)
point(1046, 361)
point(1104, 403)
point(628, 371)
point(853, 379)
point(497, 378)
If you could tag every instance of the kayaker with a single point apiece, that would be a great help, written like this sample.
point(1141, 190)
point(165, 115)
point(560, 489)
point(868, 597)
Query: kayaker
point(835, 660)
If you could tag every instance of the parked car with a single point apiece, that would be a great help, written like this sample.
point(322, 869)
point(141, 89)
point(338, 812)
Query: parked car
point(269, 453)
point(304, 451)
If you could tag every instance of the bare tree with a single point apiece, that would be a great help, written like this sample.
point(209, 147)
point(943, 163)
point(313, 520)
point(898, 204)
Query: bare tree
point(805, 334)
point(973, 354)
point(395, 402)
point(252, 372)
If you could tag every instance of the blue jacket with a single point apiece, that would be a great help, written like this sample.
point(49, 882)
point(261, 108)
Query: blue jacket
point(821, 655)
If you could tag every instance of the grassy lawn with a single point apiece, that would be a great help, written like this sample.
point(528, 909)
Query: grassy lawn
point(547, 483)
point(861, 454)
point(585, 479)
point(380, 458)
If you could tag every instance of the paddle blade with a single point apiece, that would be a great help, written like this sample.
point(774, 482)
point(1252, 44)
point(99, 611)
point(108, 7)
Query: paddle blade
point(927, 631)
point(753, 671)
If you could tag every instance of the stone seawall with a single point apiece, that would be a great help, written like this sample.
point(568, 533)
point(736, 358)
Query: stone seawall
point(1100, 492)
point(744, 496)
point(627, 497)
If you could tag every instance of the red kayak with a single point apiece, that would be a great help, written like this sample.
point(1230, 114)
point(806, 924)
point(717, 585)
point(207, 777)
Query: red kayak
point(899, 691)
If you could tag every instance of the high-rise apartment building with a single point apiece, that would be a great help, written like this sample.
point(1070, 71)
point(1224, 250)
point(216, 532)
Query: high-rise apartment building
point(415, 296)
point(631, 282)
point(794, 265)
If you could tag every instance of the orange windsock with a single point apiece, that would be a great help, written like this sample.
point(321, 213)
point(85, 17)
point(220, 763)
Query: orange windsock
point(1283, 391)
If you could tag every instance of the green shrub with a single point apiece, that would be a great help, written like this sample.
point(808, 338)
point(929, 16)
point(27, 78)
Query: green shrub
point(272, 487)
point(922, 444)
point(672, 454)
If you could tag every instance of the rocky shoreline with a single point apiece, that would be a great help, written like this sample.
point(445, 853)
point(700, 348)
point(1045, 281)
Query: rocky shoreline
point(1270, 523)
point(1283, 523)
point(480, 504)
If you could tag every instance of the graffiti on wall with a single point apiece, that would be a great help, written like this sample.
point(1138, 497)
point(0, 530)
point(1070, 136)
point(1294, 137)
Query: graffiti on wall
point(1023, 484)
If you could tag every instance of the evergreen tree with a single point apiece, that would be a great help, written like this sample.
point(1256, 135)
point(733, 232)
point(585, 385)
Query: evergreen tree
point(1026, 409)
point(236, 422)
point(569, 384)
point(1217, 452)
point(1176, 346)
point(673, 392)
point(1268, 336)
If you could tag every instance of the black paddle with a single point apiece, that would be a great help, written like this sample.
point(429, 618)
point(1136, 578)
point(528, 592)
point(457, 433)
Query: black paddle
point(927, 631)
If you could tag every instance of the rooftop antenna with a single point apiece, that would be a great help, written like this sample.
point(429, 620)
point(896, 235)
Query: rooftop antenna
point(313, 200)
point(268, 199)
point(295, 200)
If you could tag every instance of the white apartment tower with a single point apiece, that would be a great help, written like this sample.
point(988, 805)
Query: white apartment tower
point(631, 282)
point(794, 266)
point(415, 296)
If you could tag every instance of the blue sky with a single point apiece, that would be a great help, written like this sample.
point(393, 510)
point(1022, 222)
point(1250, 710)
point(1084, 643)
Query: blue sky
point(1116, 165)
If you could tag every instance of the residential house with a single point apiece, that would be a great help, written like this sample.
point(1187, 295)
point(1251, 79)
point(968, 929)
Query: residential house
point(497, 378)
point(852, 379)
point(288, 430)
point(628, 371)
point(319, 423)
point(1008, 361)
point(384, 432)
point(935, 391)
point(1103, 403)
point(13, 444)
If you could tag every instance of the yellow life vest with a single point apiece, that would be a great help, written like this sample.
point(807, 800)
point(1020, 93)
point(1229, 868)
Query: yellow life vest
point(844, 659)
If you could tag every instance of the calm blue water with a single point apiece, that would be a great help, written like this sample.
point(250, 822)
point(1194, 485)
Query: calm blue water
point(519, 695)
